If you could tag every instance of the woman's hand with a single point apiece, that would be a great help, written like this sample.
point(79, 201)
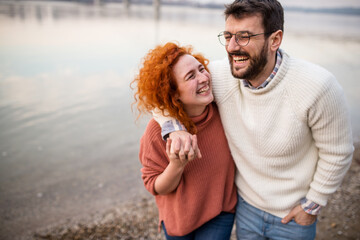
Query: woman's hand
point(186, 145)
point(170, 178)
point(176, 155)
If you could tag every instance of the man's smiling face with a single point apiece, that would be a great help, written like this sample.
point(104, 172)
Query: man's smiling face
point(247, 62)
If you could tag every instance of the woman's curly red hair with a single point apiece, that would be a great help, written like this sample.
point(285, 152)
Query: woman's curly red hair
point(156, 86)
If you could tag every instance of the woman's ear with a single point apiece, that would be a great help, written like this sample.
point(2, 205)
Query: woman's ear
point(177, 96)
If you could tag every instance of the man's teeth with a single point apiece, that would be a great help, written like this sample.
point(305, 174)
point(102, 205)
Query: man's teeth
point(241, 59)
point(204, 89)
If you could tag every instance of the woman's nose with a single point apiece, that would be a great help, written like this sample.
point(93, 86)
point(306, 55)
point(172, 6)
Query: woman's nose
point(204, 77)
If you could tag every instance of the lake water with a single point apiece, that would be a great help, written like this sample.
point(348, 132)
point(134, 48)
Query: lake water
point(68, 137)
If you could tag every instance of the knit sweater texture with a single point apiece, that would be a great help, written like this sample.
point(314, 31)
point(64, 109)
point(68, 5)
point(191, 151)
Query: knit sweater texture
point(207, 185)
point(291, 139)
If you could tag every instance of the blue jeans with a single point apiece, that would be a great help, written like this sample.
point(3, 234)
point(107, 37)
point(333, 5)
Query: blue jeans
point(218, 228)
point(253, 223)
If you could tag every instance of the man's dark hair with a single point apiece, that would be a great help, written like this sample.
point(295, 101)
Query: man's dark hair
point(271, 11)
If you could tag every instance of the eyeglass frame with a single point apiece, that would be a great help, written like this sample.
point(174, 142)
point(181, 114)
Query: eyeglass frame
point(236, 39)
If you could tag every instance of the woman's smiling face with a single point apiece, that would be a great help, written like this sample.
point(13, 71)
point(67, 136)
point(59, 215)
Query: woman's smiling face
point(194, 85)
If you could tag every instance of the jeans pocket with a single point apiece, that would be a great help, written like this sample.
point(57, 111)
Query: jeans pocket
point(303, 232)
point(293, 222)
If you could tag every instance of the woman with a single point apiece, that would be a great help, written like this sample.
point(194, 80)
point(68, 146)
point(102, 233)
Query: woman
point(196, 199)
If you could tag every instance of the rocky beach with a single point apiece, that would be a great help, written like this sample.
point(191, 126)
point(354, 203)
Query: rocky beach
point(339, 220)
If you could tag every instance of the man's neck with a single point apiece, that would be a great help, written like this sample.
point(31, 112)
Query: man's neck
point(261, 78)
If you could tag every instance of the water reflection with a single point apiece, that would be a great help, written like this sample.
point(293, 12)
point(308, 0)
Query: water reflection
point(337, 21)
point(63, 10)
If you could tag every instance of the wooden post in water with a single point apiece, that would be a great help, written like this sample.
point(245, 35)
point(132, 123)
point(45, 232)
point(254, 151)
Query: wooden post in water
point(127, 4)
point(156, 4)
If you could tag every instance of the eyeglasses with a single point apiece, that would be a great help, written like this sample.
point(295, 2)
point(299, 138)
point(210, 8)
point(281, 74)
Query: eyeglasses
point(241, 38)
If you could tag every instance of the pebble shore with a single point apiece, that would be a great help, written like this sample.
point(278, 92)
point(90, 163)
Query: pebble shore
point(339, 220)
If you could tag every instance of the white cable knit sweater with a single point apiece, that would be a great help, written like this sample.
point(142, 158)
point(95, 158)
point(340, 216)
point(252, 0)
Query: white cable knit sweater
point(291, 139)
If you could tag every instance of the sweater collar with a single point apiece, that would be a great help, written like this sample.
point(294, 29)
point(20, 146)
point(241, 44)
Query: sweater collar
point(281, 71)
point(205, 116)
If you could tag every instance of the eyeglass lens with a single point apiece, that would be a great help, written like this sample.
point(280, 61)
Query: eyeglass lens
point(242, 38)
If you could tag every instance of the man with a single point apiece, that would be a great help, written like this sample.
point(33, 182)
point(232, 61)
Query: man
point(286, 123)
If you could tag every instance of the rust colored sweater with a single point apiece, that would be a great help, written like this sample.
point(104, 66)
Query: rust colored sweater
point(207, 184)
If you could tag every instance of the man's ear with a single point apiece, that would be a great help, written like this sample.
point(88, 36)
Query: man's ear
point(275, 40)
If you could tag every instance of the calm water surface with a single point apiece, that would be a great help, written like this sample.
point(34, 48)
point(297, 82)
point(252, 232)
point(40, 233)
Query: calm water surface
point(68, 137)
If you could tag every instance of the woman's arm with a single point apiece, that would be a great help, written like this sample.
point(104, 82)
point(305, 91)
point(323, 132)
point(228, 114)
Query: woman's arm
point(170, 178)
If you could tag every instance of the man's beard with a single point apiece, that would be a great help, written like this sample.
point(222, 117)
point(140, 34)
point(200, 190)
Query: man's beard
point(257, 64)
